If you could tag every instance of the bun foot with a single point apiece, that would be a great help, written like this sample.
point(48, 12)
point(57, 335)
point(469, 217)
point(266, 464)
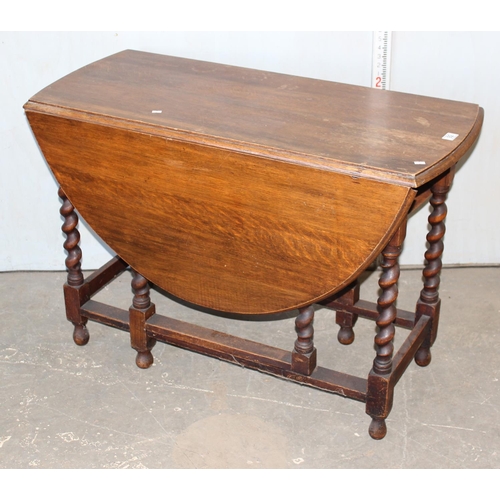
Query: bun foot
point(346, 335)
point(377, 429)
point(144, 359)
point(423, 356)
point(81, 335)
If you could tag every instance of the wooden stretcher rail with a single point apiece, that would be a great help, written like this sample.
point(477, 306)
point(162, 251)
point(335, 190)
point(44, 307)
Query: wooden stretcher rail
point(105, 274)
point(243, 352)
point(410, 346)
point(251, 354)
point(106, 314)
point(365, 309)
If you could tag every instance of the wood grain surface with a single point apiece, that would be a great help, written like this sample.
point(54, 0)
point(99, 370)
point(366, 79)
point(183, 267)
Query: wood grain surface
point(220, 229)
point(347, 128)
point(241, 190)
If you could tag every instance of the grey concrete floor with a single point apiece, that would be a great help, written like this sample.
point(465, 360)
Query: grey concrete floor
point(64, 406)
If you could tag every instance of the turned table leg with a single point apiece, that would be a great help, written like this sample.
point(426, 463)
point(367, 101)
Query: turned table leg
point(429, 301)
point(140, 310)
point(380, 389)
point(346, 320)
point(304, 352)
point(75, 292)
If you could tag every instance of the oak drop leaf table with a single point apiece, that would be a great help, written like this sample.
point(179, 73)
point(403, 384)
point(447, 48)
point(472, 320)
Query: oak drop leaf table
point(251, 192)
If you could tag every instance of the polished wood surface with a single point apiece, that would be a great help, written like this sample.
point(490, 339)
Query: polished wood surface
point(324, 124)
point(280, 196)
point(223, 230)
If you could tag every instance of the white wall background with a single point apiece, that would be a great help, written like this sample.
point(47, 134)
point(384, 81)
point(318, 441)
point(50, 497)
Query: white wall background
point(456, 65)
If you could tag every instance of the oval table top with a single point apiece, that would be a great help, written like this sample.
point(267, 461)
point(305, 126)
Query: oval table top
point(240, 190)
point(379, 134)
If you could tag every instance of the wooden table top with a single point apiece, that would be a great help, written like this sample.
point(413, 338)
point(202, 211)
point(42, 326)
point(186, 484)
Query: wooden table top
point(365, 132)
point(240, 190)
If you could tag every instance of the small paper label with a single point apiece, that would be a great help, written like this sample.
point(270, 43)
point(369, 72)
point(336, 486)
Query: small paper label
point(156, 111)
point(419, 162)
point(450, 136)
